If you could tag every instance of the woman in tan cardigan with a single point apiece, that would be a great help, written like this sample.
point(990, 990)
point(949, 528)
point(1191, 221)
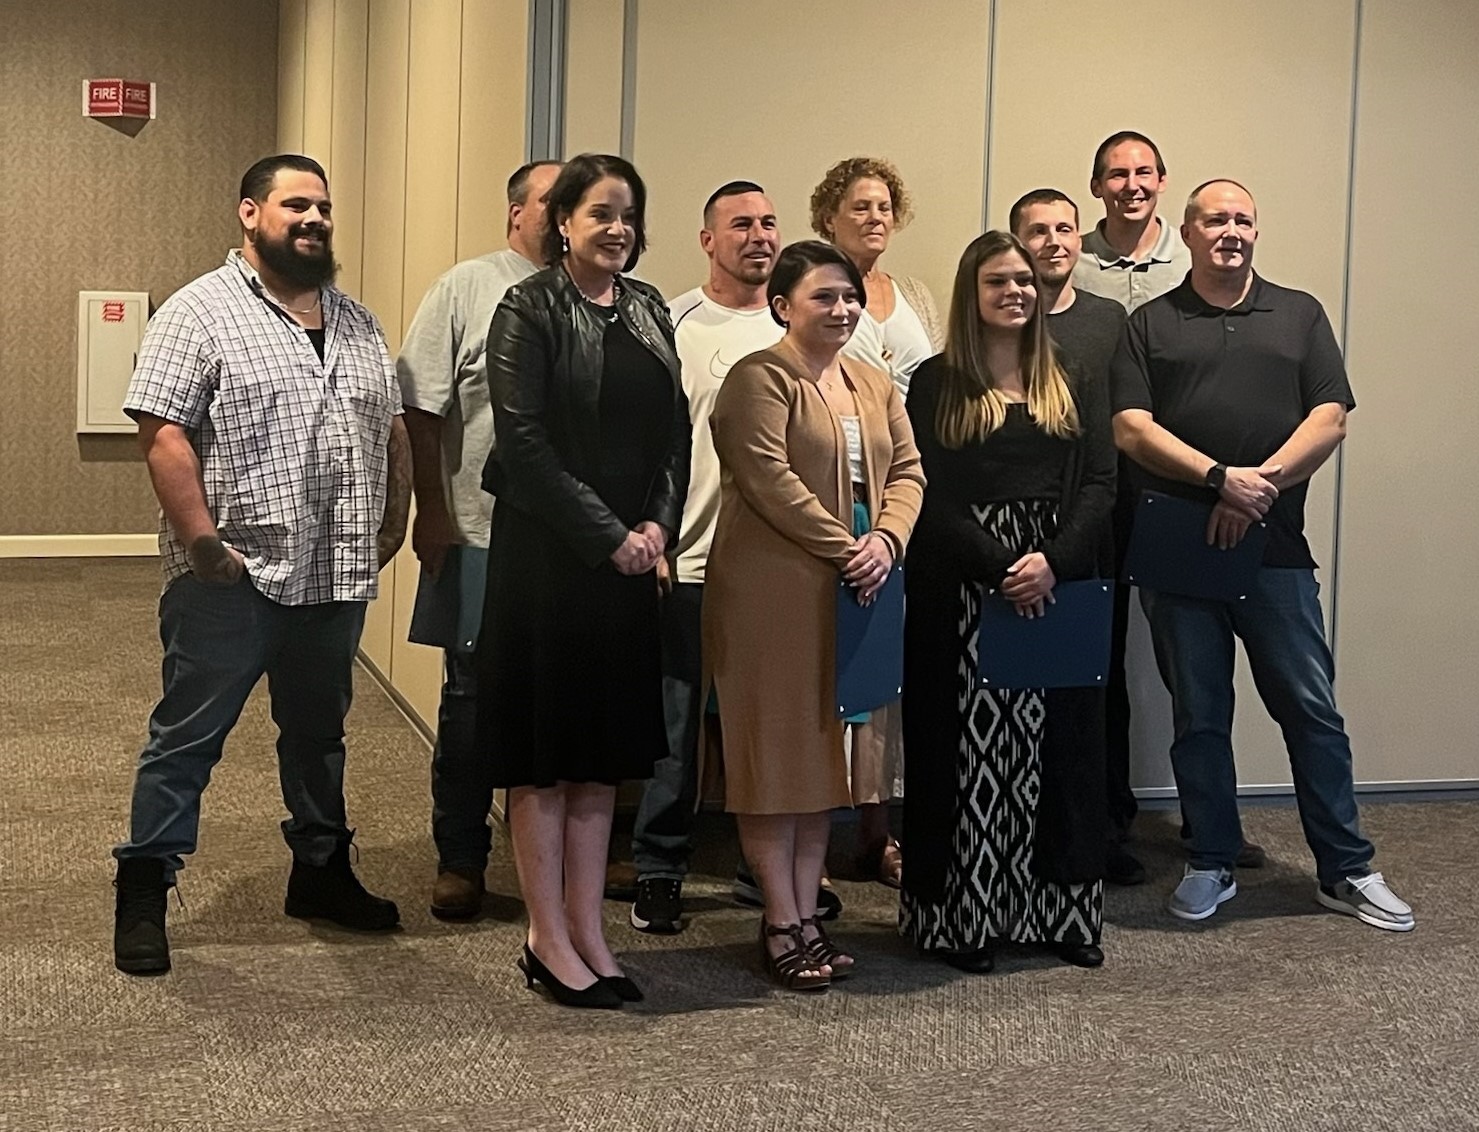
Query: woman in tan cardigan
point(820, 478)
point(858, 206)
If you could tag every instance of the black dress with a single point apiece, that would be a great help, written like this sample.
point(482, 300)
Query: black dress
point(570, 684)
point(1000, 781)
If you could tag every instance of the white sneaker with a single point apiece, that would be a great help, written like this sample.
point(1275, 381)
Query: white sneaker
point(1201, 892)
point(1370, 900)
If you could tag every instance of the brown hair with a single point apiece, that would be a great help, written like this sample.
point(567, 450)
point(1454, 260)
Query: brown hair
point(971, 408)
point(826, 198)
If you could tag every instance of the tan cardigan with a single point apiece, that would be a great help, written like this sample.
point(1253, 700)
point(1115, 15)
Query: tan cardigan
point(782, 538)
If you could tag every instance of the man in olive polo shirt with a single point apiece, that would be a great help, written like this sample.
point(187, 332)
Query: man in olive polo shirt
point(1132, 255)
point(1232, 390)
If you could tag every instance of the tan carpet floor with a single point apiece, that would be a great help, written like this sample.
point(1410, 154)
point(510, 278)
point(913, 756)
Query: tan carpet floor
point(1275, 1015)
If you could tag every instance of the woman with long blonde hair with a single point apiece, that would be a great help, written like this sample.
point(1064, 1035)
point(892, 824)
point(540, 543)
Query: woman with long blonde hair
point(1004, 813)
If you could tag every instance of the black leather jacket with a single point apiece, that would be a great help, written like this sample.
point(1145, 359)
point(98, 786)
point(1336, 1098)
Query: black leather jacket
point(545, 355)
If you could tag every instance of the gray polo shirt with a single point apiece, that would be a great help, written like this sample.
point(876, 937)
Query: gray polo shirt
point(1103, 271)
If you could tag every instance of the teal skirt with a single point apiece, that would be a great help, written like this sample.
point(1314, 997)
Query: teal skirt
point(860, 526)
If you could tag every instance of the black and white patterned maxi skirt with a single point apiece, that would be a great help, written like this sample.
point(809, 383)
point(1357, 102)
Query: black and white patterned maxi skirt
point(992, 893)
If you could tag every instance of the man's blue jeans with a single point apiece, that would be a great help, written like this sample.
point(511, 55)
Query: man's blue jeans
point(663, 834)
point(1283, 632)
point(461, 774)
point(218, 642)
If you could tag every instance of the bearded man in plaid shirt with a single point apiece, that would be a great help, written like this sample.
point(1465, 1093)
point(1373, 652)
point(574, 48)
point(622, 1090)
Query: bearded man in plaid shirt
point(269, 416)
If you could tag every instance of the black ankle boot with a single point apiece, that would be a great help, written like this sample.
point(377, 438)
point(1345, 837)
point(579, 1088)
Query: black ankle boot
point(140, 946)
point(332, 892)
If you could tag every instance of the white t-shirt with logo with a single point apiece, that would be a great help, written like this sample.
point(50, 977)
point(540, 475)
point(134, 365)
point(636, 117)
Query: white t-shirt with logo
point(711, 338)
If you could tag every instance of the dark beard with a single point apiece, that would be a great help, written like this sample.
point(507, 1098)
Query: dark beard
point(291, 265)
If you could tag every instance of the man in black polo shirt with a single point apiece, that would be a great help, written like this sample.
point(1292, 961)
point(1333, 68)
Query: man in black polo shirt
point(1086, 330)
point(1233, 390)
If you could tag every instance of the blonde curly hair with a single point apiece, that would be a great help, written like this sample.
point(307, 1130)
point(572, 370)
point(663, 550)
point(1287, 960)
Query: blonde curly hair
point(827, 197)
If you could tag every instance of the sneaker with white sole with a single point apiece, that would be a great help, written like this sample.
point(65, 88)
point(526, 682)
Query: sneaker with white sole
point(1370, 900)
point(1200, 892)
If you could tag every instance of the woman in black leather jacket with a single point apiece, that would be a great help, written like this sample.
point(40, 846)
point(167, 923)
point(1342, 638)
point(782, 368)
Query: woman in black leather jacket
point(589, 469)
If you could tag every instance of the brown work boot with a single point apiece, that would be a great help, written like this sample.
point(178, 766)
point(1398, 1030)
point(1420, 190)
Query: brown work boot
point(458, 894)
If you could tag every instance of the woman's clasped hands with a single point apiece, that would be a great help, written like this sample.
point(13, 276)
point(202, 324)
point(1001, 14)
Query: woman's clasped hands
point(1029, 584)
point(640, 551)
point(868, 568)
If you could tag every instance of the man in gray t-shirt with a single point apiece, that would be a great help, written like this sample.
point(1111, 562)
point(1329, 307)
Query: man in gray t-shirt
point(444, 386)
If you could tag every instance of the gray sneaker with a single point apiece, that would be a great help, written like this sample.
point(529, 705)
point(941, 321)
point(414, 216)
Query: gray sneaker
point(1370, 900)
point(1200, 891)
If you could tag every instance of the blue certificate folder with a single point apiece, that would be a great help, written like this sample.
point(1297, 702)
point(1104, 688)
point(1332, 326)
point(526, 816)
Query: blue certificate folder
point(449, 608)
point(870, 647)
point(1168, 551)
point(1067, 647)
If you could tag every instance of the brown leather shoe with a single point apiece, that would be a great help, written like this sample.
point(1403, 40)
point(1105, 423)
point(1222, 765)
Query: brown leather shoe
point(458, 894)
point(621, 881)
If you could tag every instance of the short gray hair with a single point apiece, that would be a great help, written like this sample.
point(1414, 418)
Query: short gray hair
point(1190, 213)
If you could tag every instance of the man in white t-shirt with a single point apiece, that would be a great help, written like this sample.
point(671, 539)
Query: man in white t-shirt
point(444, 385)
point(717, 325)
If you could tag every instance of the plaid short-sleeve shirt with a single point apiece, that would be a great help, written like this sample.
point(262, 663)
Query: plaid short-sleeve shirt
point(292, 449)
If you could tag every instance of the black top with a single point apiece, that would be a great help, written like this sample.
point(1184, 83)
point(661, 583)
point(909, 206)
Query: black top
point(546, 359)
point(1087, 334)
point(636, 423)
point(316, 336)
point(1017, 461)
point(1234, 384)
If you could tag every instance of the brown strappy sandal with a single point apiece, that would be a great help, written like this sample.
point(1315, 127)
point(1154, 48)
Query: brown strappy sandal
point(891, 864)
point(794, 969)
point(823, 950)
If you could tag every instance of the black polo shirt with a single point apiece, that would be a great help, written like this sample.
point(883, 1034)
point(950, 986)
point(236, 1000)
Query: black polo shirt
point(1234, 384)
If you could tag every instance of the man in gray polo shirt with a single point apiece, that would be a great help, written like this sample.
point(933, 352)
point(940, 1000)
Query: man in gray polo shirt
point(444, 386)
point(1132, 255)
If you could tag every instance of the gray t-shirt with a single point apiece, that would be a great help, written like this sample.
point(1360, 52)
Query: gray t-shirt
point(1103, 271)
point(443, 370)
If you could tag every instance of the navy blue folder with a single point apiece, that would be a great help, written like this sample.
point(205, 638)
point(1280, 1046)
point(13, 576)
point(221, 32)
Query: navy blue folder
point(449, 608)
point(1067, 647)
point(870, 647)
point(1168, 551)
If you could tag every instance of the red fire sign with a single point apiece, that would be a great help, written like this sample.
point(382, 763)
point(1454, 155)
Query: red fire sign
point(113, 310)
point(117, 98)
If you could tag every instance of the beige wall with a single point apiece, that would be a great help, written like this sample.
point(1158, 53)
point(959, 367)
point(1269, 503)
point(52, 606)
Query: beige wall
point(416, 110)
point(1263, 94)
point(1408, 631)
point(1296, 100)
point(805, 105)
point(85, 206)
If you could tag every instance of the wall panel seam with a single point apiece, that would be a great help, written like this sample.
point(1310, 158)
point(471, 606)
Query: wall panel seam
point(628, 143)
point(1345, 325)
point(990, 100)
point(461, 101)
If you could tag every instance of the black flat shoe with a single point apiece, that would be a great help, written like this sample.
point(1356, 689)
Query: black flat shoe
point(981, 962)
point(625, 989)
point(598, 996)
point(1080, 954)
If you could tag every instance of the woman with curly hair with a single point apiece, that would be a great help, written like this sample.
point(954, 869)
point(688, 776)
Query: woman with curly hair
point(857, 207)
